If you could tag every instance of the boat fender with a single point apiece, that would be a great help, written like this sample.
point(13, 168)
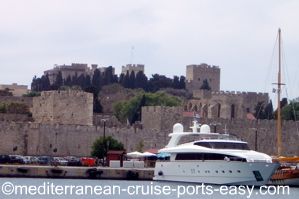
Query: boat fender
point(160, 173)
point(131, 175)
point(22, 170)
point(57, 171)
point(94, 173)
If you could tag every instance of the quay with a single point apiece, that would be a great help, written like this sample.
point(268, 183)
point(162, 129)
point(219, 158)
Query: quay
point(37, 171)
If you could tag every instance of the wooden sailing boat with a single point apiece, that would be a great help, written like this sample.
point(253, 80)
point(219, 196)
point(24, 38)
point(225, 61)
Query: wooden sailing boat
point(285, 175)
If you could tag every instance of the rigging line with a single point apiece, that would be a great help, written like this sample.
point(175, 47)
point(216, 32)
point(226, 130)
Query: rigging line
point(269, 69)
point(270, 66)
point(292, 103)
point(287, 79)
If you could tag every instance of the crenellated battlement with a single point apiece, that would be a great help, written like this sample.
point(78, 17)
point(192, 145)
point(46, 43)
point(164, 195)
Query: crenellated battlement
point(66, 93)
point(239, 93)
point(203, 66)
point(132, 66)
point(153, 109)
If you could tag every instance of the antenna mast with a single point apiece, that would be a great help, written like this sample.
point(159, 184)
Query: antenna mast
point(279, 134)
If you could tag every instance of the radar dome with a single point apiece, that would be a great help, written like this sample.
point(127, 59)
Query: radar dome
point(178, 128)
point(205, 128)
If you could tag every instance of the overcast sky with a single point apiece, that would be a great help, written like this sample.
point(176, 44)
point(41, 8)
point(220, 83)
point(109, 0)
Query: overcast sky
point(238, 36)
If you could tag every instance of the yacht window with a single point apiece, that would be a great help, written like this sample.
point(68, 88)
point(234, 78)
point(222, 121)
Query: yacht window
point(223, 145)
point(207, 156)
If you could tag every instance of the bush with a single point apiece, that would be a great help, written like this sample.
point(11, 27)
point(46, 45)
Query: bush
point(102, 145)
point(32, 94)
point(17, 108)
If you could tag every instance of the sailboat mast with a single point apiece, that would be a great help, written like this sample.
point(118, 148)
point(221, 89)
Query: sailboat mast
point(279, 134)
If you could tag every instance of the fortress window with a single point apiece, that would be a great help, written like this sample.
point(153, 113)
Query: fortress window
point(218, 111)
point(232, 113)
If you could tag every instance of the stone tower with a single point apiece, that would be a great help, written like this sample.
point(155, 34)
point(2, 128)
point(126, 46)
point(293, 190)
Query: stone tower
point(63, 107)
point(196, 74)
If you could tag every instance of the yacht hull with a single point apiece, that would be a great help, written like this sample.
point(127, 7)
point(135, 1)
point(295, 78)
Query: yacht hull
point(216, 172)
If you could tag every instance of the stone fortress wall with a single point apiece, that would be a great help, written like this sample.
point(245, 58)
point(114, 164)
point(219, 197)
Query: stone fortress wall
point(63, 140)
point(63, 107)
point(224, 104)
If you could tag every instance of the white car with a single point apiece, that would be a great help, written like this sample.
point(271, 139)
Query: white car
point(59, 161)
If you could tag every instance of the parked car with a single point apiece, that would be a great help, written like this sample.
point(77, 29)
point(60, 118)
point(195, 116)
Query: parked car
point(34, 160)
point(59, 161)
point(73, 161)
point(87, 161)
point(27, 159)
point(4, 159)
point(45, 160)
point(16, 159)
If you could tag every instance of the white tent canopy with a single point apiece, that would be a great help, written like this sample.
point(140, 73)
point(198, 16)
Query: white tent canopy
point(135, 154)
point(148, 154)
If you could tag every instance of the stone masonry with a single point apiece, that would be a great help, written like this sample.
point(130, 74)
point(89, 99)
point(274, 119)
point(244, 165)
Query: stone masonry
point(226, 105)
point(196, 74)
point(132, 67)
point(63, 107)
point(62, 140)
point(160, 118)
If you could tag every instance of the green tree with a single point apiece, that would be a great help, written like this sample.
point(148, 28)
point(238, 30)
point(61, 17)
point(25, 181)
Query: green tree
point(182, 82)
point(102, 145)
point(290, 111)
point(131, 109)
point(32, 94)
point(96, 79)
point(141, 80)
point(176, 82)
point(58, 82)
point(132, 80)
point(2, 108)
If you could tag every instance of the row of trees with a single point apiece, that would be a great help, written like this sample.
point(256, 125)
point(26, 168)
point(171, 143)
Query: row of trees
point(131, 110)
point(99, 79)
point(289, 111)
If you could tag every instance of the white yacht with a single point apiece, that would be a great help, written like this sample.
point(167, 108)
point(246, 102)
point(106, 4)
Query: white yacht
point(213, 159)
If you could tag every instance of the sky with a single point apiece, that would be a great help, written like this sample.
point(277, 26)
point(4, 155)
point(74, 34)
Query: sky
point(165, 35)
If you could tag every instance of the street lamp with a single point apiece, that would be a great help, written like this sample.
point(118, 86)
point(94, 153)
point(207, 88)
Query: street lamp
point(104, 122)
point(104, 138)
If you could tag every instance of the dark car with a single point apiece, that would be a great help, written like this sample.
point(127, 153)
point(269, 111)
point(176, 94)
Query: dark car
point(45, 160)
point(16, 159)
point(4, 159)
point(73, 161)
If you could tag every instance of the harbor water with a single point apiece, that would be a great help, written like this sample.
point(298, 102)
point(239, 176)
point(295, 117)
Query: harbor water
point(27, 188)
